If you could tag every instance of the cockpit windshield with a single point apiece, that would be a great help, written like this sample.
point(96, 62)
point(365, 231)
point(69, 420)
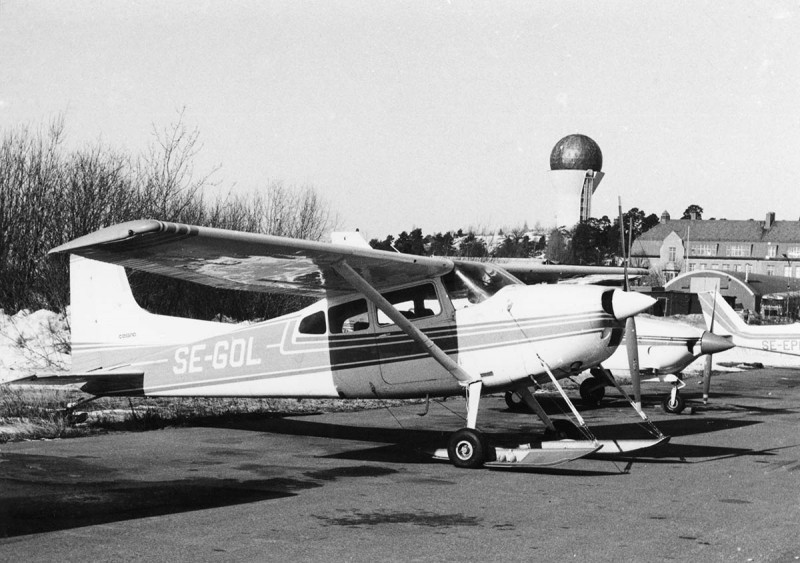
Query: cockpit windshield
point(474, 282)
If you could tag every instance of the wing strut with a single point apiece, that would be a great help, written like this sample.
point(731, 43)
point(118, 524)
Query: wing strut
point(360, 284)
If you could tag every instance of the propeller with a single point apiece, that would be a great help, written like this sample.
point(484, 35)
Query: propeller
point(707, 366)
point(632, 345)
point(631, 342)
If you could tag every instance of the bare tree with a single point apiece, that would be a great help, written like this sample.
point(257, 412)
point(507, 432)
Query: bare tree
point(49, 196)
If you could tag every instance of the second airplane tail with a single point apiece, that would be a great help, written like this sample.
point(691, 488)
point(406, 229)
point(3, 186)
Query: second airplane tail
point(719, 316)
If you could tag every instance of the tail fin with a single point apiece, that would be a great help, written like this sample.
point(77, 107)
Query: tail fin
point(720, 317)
point(108, 326)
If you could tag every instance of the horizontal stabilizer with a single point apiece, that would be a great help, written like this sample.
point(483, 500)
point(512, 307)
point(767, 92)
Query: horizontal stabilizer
point(101, 384)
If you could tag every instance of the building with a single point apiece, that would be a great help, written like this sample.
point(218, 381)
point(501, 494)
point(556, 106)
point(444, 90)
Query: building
point(768, 247)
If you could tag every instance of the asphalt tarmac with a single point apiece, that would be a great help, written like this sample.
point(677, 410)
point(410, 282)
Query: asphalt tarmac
point(357, 487)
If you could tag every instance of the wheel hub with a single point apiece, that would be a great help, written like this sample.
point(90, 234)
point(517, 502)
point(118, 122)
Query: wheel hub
point(464, 450)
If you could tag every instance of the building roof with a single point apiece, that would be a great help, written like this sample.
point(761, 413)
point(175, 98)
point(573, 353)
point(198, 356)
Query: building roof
point(724, 230)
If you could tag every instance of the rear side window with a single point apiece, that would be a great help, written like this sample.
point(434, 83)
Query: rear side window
point(349, 317)
point(313, 324)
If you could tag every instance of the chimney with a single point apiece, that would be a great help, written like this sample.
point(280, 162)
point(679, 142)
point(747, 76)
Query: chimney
point(665, 216)
point(770, 220)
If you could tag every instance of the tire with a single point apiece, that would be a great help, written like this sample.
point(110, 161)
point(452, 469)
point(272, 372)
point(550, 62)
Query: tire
point(564, 429)
point(673, 407)
point(467, 448)
point(592, 391)
point(514, 402)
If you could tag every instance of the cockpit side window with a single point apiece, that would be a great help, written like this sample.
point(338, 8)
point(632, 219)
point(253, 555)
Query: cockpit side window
point(471, 283)
point(416, 302)
point(349, 317)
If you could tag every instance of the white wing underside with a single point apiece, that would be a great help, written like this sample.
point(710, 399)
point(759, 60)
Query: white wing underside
point(247, 261)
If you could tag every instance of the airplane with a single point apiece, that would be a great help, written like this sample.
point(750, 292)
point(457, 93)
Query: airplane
point(386, 325)
point(720, 317)
point(780, 339)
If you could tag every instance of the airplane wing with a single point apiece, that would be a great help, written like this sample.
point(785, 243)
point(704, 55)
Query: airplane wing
point(248, 261)
point(530, 272)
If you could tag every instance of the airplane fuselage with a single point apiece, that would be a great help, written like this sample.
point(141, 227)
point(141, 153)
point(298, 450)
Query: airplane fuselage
point(309, 354)
point(664, 347)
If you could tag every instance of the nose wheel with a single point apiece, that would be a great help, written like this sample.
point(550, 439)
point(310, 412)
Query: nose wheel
point(673, 404)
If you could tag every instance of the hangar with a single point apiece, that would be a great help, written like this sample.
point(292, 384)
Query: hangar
point(748, 290)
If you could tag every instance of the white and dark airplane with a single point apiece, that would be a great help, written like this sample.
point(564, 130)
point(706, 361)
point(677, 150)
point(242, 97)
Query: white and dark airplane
point(386, 325)
point(666, 348)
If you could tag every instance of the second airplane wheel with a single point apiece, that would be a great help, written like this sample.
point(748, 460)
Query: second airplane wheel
point(673, 407)
point(467, 448)
point(592, 391)
point(514, 401)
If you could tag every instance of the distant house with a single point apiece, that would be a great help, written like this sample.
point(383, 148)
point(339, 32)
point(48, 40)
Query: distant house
point(766, 247)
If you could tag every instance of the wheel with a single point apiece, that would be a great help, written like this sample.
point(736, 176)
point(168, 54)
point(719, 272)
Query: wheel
point(673, 407)
point(563, 429)
point(592, 391)
point(514, 401)
point(467, 448)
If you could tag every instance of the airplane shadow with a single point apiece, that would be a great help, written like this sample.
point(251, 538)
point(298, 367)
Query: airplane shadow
point(407, 446)
point(55, 499)
point(720, 403)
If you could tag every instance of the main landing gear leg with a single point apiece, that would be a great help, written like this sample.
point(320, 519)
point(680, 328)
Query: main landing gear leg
point(537, 408)
point(467, 447)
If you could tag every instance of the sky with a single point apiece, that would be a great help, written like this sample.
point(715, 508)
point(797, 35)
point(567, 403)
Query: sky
point(431, 114)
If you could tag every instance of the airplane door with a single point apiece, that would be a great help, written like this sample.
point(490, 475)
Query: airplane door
point(403, 362)
point(353, 351)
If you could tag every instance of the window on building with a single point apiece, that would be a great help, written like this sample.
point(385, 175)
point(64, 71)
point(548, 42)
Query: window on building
point(748, 268)
point(770, 269)
point(738, 250)
point(737, 267)
point(793, 252)
point(702, 266)
point(703, 249)
point(726, 267)
point(787, 271)
point(671, 253)
point(692, 267)
point(772, 250)
point(797, 271)
point(715, 266)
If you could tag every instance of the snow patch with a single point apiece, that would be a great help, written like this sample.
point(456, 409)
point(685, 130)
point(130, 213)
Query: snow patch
point(32, 343)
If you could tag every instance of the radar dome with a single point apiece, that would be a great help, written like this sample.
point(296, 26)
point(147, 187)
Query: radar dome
point(576, 152)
